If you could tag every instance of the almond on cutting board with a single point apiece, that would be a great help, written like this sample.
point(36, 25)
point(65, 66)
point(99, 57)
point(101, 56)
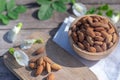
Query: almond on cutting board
point(56, 67)
point(39, 51)
point(51, 76)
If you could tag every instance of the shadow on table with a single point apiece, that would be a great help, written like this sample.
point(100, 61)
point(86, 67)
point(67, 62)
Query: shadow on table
point(60, 56)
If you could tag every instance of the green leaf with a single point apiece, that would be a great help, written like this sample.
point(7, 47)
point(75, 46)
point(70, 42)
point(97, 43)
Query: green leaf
point(45, 12)
point(105, 7)
point(4, 19)
point(59, 6)
point(11, 51)
point(2, 5)
point(43, 1)
point(66, 1)
point(91, 11)
point(109, 13)
point(20, 9)
point(11, 5)
point(13, 15)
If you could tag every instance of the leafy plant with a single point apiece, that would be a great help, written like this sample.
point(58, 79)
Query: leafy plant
point(102, 10)
point(47, 7)
point(10, 11)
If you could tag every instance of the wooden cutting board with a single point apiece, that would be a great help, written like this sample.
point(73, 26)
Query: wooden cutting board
point(72, 69)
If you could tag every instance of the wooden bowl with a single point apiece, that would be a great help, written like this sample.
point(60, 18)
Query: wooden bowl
point(89, 55)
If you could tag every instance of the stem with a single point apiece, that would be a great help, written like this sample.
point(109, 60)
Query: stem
point(19, 25)
point(11, 51)
point(39, 40)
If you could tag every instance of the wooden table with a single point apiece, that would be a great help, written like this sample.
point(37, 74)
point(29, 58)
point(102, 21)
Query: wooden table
point(31, 24)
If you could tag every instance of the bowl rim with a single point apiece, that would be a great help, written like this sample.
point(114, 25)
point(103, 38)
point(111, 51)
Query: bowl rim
point(90, 53)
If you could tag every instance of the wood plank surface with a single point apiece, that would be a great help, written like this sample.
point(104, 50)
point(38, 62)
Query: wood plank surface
point(72, 68)
point(31, 22)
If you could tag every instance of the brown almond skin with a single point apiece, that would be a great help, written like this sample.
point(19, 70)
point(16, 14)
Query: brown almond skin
point(47, 59)
point(39, 70)
point(99, 38)
point(91, 49)
point(111, 30)
point(98, 48)
point(40, 51)
point(51, 76)
point(98, 42)
point(86, 44)
point(99, 29)
point(90, 40)
point(114, 37)
point(80, 45)
point(97, 33)
point(81, 36)
point(74, 37)
point(90, 32)
point(109, 39)
point(110, 45)
point(39, 61)
point(48, 67)
point(104, 46)
point(32, 65)
point(56, 66)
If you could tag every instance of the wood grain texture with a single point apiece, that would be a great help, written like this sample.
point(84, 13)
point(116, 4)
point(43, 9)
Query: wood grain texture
point(72, 68)
point(30, 21)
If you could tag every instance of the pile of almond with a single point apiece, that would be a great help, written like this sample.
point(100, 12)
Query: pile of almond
point(44, 64)
point(93, 34)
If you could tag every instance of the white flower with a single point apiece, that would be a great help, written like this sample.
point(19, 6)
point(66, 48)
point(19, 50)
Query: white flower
point(115, 18)
point(26, 44)
point(20, 56)
point(79, 9)
point(11, 36)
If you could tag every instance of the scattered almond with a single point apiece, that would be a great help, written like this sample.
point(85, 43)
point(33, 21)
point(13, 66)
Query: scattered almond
point(55, 67)
point(48, 67)
point(45, 58)
point(40, 51)
point(51, 76)
point(39, 70)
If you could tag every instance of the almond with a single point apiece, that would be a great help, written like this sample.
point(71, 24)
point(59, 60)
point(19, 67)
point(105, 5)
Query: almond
point(39, 70)
point(32, 65)
point(111, 30)
point(91, 49)
point(99, 29)
point(109, 39)
point(97, 33)
point(51, 76)
point(104, 46)
point(114, 38)
point(86, 44)
point(99, 38)
point(98, 48)
point(48, 67)
point(80, 45)
point(90, 40)
point(56, 66)
point(40, 61)
point(80, 36)
point(74, 37)
point(110, 45)
point(98, 42)
point(74, 28)
point(47, 59)
point(90, 32)
point(39, 51)
point(107, 36)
